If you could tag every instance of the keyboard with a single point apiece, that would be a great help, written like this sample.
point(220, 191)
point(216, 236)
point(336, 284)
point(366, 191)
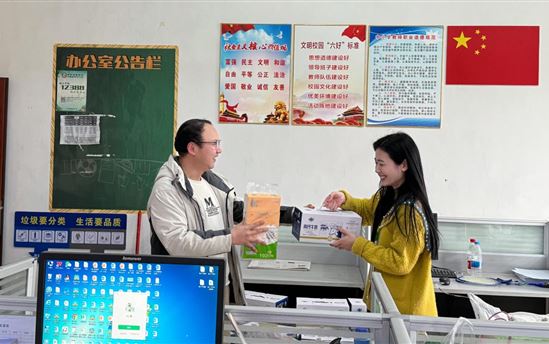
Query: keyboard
point(437, 272)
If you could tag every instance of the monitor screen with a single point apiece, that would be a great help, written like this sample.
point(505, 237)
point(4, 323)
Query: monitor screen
point(98, 298)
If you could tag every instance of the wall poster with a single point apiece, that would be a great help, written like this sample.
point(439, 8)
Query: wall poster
point(328, 77)
point(254, 73)
point(404, 76)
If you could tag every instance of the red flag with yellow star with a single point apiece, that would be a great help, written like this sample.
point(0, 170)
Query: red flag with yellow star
point(492, 55)
point(358, 31)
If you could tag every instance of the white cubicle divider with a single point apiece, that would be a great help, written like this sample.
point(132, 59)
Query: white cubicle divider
point(283, 325)
point(502, 242)
point(382, 299)
point(433, 330)
point(19, 279)
point(329, 267)
point(381, 296)
point(26, 304)
point(399, 333)
point(17, 319)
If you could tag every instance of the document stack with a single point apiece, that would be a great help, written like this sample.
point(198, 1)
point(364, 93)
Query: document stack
point(533, 277)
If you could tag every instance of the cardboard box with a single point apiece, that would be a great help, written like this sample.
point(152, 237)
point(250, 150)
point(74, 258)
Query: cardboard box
point(357, 305)
point(312, 225)
point(254, 298)
point(322, 304)
point(263, 207)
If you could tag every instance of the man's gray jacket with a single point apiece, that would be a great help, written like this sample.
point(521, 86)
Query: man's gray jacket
point(177, 221)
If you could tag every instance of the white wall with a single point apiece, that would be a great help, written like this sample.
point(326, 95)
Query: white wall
point(488, 160)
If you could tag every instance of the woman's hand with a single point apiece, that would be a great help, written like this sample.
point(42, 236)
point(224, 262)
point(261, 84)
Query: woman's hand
point(346, 242)
point(334, 200)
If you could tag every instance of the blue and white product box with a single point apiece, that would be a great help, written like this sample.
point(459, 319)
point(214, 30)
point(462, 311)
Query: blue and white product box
point(322, 304)
point(254, 298)
point(312, 225)
point(357, 305)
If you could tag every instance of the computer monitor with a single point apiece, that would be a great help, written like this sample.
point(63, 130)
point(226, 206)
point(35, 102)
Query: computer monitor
point(109, 299)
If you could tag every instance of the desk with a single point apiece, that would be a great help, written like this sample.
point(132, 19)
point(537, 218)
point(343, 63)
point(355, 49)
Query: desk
point(333, 273)
point(329, 267)
point(325, 275)
point(510, 298)
point(496, 290)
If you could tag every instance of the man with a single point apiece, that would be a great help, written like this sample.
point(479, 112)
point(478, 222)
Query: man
point(192, 210)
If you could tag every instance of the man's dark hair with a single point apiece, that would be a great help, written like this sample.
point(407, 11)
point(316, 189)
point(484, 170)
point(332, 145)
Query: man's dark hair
point(189, 131)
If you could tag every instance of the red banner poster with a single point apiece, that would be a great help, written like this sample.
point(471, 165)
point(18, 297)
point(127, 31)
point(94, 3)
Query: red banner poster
point(492, 55)
point(328, 75)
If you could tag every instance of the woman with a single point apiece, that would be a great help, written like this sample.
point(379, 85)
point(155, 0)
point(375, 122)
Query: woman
point(404, 231)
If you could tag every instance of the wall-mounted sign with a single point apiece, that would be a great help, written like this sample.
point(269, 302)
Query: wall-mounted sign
point(328, 83)
point(254, 73)
point(44, 230)
point(405, 76)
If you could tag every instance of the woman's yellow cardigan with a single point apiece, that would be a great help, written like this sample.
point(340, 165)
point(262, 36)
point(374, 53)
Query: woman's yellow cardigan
point(403, 261)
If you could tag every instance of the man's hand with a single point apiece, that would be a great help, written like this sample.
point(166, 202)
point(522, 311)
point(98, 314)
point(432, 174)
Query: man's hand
point(249, 235)
point(334, 200)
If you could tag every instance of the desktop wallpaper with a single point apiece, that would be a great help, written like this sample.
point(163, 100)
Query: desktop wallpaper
point(104, 302)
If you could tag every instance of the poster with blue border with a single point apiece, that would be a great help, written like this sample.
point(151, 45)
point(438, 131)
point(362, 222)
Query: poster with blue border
point(405, 76)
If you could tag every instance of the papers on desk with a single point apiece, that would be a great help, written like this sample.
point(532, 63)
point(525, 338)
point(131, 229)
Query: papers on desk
point(529, 276)
point(17, 329)
point(280, 264)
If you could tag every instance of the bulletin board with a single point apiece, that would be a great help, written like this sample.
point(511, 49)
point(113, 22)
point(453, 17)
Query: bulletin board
point(113, 121)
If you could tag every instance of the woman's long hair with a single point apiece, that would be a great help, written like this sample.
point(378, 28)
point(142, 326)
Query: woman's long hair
point(400, 147)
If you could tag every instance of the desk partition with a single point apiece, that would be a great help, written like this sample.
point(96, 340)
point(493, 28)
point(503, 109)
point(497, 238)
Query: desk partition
point(19, 279)
point(329, 267)
point(284, 325)
point(264, 325)
point(505, 243)
point(433, 330)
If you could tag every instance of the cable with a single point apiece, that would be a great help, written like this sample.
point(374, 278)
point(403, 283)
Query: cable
point(236, 328)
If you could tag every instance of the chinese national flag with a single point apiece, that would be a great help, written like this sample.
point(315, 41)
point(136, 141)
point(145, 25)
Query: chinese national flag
point(492, 55)
point(358, 31)
point(234, 28)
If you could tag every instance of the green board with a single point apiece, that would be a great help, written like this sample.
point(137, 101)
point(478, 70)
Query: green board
point(114, 114)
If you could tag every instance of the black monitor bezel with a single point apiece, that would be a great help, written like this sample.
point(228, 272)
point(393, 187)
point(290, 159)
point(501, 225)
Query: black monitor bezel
point(128, 258)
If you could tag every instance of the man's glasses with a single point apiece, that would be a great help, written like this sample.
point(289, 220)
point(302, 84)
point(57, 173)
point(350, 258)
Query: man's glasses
point(216, 143)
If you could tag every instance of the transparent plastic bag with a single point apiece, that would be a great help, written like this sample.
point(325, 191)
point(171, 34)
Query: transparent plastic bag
point(260, 188)
point(485, 311)
point(455, 336)
point(262, 203)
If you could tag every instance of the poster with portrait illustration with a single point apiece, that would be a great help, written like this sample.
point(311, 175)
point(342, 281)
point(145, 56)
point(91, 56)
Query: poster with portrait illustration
point(254, 73)
point(328, 77)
